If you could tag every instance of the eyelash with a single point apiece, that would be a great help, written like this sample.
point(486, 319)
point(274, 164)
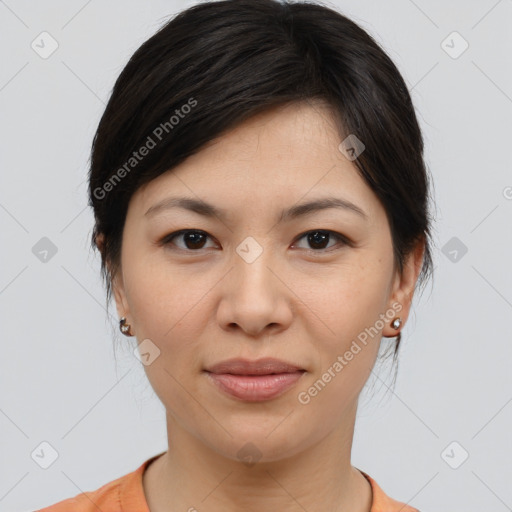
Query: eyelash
point(167, 240)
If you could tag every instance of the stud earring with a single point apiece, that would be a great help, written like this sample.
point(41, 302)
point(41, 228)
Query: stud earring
point(396, 323)
point(124, 327)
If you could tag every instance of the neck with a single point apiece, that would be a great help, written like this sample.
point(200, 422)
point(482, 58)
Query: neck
point(191, 476)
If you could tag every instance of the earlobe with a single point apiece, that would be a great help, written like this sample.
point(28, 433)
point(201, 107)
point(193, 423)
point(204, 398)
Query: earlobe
point(122, 305)
point(118, 291)
point(403, 291)
point(117, 287)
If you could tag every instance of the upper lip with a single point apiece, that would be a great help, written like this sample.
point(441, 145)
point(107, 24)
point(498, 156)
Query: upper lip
point(264, 366)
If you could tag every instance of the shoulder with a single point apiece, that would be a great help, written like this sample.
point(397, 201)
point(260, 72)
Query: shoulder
point(123, 493)
point(106, 498)
point(382, 502)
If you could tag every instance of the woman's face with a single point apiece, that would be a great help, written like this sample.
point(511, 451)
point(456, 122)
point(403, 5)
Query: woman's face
point(255, 283)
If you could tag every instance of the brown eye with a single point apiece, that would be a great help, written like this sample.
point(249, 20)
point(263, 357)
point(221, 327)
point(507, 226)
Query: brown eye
point(192, 239)
point(319, 239)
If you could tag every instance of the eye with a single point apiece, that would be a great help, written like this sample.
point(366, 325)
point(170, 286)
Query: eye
point(318, 238)
point(192, 238)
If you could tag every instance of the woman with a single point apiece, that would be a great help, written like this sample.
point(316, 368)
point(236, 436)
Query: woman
point(261, 209)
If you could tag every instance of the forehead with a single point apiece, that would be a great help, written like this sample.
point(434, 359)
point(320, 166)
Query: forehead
point(277, 157)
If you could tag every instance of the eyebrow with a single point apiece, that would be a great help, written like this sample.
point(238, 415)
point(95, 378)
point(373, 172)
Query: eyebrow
point(208, 210)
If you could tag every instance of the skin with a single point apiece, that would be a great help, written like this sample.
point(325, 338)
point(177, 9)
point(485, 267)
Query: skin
point(297, 301)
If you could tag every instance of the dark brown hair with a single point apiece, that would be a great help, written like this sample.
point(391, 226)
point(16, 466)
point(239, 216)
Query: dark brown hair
point(215, 65)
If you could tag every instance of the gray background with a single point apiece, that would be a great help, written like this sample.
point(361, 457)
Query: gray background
point(62, 382)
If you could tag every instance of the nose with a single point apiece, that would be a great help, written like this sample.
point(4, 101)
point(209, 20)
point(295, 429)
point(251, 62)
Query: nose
point(255, 298)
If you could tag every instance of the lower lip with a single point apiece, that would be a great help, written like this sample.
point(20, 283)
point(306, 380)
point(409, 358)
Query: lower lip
point(255, 388)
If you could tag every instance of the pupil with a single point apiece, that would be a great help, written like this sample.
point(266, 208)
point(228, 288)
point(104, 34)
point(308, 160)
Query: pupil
point(194, 239)
point(317, 237)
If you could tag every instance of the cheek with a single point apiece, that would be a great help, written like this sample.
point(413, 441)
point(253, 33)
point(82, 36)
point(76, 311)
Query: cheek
point(354, 296)
point(169, 309)
point(351, 307)
point(163, 300)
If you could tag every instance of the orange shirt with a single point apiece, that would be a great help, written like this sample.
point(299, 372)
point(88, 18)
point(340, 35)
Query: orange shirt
point(126, 494)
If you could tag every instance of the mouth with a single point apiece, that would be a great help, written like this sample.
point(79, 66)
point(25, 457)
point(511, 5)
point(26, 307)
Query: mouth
point(266, 366)
point(254, 381)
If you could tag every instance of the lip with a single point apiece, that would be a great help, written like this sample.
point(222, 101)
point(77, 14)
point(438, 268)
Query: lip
point(264, 366)
point(254, 381)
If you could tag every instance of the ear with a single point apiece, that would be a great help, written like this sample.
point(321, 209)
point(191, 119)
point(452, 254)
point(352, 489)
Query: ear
point(403, 288)
point(120, 296)
point(118, 290)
